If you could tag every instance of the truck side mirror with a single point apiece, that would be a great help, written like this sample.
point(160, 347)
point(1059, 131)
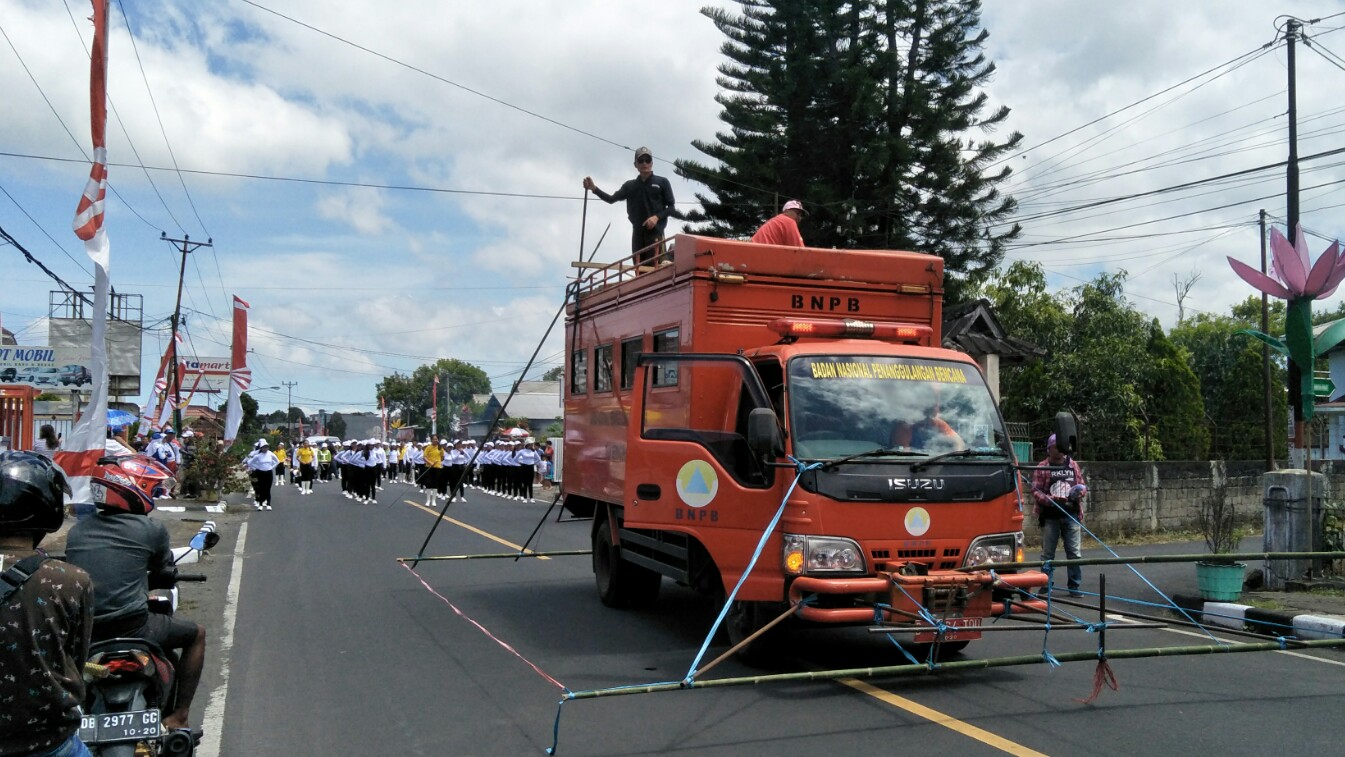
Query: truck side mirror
point(763, 433)
point(1066, 433)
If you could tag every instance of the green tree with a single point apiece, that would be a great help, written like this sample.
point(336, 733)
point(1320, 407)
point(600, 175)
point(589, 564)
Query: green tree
point(1229, 368)
point(1173, 410)
point(554, 374)
point(864, 110)
point(336, 425)
point(275, 416)
point(410, 395)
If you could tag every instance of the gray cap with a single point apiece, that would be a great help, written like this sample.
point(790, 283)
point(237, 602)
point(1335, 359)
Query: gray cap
point(642, 151)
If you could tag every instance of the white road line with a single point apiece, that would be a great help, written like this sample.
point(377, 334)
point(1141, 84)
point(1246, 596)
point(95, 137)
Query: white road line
point(1199, 635)
point(213, 722)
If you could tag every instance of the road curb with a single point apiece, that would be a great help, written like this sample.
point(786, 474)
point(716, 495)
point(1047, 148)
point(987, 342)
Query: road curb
point(1259, 620)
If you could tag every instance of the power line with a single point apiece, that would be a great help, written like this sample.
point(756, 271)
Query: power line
point(1141, 101)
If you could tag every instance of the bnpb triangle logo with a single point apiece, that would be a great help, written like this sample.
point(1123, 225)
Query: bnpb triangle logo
point(697, 483)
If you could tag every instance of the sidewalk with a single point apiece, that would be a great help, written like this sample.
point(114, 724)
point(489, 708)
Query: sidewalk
point(1318, 614)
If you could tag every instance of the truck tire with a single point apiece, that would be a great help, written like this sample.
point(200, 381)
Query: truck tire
point(743, 620)
point(621, 584)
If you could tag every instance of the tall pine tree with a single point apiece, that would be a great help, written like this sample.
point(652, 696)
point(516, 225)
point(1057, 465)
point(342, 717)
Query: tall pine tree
point(863, 110)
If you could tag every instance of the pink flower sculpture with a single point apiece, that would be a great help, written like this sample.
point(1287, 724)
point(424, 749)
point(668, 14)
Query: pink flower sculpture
point(1298, 281)
point(1296, 278)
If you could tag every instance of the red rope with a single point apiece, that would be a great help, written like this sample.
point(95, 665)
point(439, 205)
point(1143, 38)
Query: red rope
point(1102, 675)
point(483, 630)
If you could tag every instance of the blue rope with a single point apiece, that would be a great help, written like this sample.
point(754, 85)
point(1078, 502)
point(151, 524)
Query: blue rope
point(878, 608)
point(800, 468)
point(1170, 603)
point(555, 729)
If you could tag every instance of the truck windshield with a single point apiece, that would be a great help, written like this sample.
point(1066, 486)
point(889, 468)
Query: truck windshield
point(842, 405)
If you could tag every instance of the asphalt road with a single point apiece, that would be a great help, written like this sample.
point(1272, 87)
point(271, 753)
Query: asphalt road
point(339, 650)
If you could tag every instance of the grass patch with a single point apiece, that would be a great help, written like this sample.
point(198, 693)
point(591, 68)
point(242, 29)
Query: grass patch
point(1326, 591)
point(1261, 603)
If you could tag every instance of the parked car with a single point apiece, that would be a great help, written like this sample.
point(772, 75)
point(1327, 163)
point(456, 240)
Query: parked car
point(8, 375)
point(75, 374)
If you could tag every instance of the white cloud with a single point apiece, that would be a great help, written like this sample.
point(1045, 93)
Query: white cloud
point(365, 271)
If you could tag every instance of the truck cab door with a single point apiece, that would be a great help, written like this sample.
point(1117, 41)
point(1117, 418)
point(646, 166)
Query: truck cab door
point(687, 454)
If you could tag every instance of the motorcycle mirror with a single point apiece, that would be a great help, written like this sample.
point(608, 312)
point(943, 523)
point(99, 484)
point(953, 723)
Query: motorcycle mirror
point(1066, 433)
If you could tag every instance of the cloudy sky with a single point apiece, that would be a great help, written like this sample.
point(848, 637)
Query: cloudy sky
point(388, 184)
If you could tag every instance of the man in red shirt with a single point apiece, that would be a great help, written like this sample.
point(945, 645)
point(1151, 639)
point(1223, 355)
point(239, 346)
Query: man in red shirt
point(784, 228)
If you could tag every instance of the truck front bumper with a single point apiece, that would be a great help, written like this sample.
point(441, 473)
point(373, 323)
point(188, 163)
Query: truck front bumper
point(951, 598)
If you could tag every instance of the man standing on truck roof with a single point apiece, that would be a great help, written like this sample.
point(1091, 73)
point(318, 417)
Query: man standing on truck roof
point(649, 200)
point(784, 228)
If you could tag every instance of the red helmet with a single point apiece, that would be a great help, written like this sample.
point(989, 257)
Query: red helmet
point(127, 484)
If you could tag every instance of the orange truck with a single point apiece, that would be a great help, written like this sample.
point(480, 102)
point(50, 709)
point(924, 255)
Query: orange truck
point(696, 390)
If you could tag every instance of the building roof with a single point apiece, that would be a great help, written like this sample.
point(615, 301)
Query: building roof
point(973, 328)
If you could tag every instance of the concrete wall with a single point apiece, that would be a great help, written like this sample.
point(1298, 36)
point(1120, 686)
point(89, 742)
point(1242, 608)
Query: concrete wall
point(1130, 498)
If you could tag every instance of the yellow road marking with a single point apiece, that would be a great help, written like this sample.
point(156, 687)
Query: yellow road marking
point(474, 529)
point(938, 718)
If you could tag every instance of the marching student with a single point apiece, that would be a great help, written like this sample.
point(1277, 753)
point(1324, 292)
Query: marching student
point(457, 466)
point(394, 462)
point(434, 464)
point(306, 458)
point(416, 462)
point(281, 454)
point(325, 462)
point(527, 459)
point(343, 466)
point(380, 460)
point(487, 458)
point(261, 464)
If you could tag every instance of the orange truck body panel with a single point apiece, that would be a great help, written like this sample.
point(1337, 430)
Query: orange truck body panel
point(720, 297)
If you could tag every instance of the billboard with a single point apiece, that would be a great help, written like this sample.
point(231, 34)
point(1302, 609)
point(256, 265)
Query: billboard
point(50, 369)
point(123, 349)
point(207, 375)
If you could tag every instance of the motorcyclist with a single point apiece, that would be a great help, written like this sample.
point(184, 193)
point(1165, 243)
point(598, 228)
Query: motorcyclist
point(45, 617)
point(127, 554)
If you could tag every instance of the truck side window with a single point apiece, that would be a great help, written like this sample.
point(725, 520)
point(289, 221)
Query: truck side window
point(668, 340)
point(714, 418)
point(602, 368)
point(630, 353)
point(579, 372)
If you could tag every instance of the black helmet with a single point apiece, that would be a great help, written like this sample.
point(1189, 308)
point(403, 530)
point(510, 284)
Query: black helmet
point(32, 493)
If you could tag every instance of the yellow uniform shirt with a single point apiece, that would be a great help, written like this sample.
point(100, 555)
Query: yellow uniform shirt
point(434, 457)
point(305, 455)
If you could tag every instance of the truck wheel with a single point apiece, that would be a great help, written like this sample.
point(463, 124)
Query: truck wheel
point(743, 620)
point(621, 584)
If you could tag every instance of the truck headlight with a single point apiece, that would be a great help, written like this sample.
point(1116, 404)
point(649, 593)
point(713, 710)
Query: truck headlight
point(997, 548)
point(830, 555)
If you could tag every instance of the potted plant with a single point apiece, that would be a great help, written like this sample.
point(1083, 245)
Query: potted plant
point(1216, 517)
point(211, 472)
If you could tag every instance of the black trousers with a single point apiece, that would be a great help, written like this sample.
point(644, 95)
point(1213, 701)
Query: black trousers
point(262, 480)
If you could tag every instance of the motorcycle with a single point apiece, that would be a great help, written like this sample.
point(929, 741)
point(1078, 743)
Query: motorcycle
point(130, 684)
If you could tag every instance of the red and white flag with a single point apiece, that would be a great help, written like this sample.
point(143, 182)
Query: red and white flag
point(240, 376)
point(88, 438)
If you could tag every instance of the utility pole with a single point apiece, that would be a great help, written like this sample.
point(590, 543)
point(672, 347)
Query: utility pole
point(1297, 445)
point(184, 245)
point(1265, 358)
point(289, 403)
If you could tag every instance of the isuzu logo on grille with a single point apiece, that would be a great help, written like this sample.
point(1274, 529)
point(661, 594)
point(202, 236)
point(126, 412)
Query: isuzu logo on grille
point(906, 484)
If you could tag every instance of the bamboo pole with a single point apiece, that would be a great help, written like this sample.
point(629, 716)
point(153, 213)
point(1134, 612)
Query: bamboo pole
point(1155, 559)
point(906, 670)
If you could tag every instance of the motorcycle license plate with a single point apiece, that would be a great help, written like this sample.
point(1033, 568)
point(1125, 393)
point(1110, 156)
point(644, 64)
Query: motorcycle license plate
point(111, 727)
point(970, 634)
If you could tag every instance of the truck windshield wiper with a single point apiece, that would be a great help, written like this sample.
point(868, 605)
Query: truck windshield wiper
point(984, 451)
point(879, 452)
